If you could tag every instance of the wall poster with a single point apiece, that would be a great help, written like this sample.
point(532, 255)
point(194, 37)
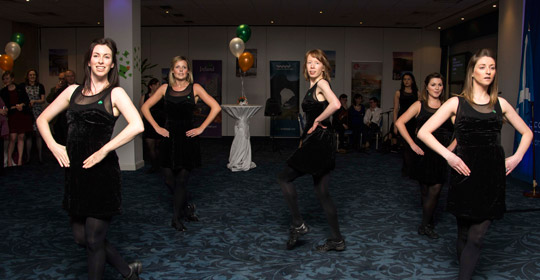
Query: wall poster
point(366, 79)
point(208, 73)
point(403, 62)
point(58, 61)
point(285, 87)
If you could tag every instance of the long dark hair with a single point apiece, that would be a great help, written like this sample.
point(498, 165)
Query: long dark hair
point(112, 76)
point(414, 87)
point(27, 81)
point(153, 81)
point(423, 96)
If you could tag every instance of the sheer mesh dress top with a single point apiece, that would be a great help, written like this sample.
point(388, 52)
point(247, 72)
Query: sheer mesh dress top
point(316, 155)
point(95, 191)
point(179, 151)
point(481, 195)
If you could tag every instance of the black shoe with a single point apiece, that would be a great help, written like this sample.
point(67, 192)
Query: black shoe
point(427, 231)
point(136, 269)
point(330, 245)
point(295, 233)
point(178, 225)
point(190, 213)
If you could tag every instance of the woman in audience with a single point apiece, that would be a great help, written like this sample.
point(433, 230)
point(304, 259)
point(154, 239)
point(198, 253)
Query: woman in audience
point(19, 116)
point(180, 150)
point(36, 94)
point(150, 136)
point(93, 189)
point(477, 185)
point(356, 120)
point(403, 99)
point(315, 155)
point(431, 168)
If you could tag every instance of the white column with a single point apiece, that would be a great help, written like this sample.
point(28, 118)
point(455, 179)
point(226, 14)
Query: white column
point(509, 59)
point(122, 23)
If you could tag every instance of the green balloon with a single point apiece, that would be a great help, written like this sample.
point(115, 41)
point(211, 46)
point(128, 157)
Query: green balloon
point(243, 32)
point(18, 38)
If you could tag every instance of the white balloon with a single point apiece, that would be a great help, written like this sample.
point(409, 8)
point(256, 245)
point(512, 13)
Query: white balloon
point(13, 49)
point(237, 46)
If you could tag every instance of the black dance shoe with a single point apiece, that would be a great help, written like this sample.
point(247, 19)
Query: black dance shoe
point(190, 213)
point(428, 231)
point(330, 245)
point(136, 269)
point(295, 233)
point(178, 225)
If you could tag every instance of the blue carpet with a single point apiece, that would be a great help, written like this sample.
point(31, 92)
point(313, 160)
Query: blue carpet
point(244, 221)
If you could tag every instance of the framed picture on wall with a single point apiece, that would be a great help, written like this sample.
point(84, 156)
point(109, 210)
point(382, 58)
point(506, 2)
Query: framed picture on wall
point(457, 71)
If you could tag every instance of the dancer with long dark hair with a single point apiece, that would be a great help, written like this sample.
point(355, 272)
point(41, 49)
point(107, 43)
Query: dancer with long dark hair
point(180, 149)
point(431, 168)
point(403, 99)
point(315, 155)
point(478, 183)
point(150, 136)
point(93, 185)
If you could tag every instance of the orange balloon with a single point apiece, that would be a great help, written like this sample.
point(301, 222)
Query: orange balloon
point(6, 62)
point(245, 60)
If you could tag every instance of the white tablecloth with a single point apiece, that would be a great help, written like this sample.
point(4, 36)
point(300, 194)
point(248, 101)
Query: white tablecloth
point(240, 157)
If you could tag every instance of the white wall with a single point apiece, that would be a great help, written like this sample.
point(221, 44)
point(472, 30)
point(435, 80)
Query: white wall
point(160, 44)
point(509, 60)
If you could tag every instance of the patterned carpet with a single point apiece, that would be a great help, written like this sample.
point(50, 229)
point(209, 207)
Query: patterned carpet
point(244, 221)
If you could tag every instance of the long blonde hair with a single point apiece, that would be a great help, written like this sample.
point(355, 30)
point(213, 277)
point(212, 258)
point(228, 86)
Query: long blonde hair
point(320, 56)
point(171, 70)
point(493, 89)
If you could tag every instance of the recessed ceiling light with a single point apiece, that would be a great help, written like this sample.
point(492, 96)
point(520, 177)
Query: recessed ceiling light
point(361, 22)
point(462, 18)
point(272, 22)
point(166, 12)
point(494, 5)
point(99, 22)
point(438, 27)
point(27, 0)
point(320, 12)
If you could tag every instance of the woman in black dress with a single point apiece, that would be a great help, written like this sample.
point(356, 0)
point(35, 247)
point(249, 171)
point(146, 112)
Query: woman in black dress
point(403, 99)
point(92, 190)
point(315, 155)
point(180, 150)
point(477, 184)
point(431, 168)
point(150, 136)
point(19, 116)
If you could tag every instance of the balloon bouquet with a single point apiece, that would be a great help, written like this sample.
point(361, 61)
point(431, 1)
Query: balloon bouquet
point(13, 50)
point(245, 59)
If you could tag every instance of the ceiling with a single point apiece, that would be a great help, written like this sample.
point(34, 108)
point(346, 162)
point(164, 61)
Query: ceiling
point(428, 14)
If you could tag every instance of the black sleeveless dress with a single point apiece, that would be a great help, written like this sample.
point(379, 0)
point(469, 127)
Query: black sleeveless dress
point(481, 195)
point(93, 192)
point(159, 116)
point(431, 168)
point(316, 156)
point(179, 151)
point(405, 101)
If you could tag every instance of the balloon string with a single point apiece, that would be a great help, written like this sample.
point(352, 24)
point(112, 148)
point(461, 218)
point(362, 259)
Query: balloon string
point(242, 79)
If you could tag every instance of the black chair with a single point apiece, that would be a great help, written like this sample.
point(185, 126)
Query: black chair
point(272, 109)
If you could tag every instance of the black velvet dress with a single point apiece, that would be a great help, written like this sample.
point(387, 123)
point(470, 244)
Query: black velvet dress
point(96, 191)
point(431, 168)
point(179, 151)
point(316, 156)
point(481, 195)
point(405, 101)
point(159, 116)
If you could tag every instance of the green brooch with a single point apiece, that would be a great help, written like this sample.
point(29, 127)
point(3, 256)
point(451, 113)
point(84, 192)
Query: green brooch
point(494, 111)
point(100, 102)
point(188, 97)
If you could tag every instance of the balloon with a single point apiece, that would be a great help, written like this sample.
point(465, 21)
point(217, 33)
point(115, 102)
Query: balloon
point(18, 38)
point(6, 62)
point(236, 46)
point(243, 32)
point(245, 61)
point(13, 49)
